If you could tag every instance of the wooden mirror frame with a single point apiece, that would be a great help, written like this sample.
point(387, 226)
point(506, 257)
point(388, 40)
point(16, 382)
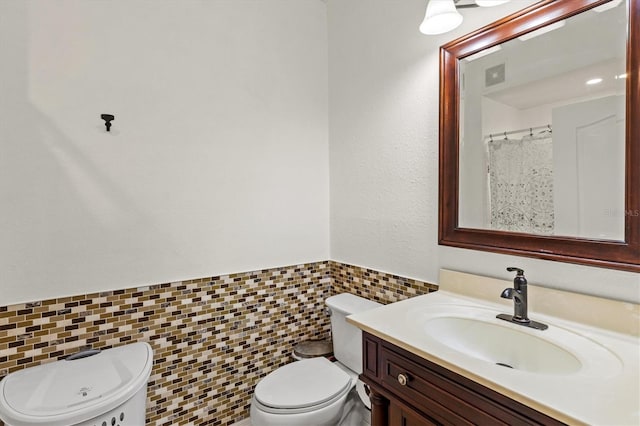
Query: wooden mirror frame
point(624, 255)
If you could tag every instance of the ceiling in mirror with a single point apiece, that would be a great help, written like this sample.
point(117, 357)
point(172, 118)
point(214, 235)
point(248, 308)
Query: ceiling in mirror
point(556, 64)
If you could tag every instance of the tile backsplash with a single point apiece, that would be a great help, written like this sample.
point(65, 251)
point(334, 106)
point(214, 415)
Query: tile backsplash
point(375, 285)
point(213, 338)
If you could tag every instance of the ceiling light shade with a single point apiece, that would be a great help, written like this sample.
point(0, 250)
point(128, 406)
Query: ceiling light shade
point(490, 3)
point(441, 16)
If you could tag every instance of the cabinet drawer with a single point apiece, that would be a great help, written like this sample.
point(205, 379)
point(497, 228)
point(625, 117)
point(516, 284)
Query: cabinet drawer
point(448, 397)
point(423, 388)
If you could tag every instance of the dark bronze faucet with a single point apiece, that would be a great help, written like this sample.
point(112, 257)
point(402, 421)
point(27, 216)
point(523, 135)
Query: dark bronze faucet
point(519, 295)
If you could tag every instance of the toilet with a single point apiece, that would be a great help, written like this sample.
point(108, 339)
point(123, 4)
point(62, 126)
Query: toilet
point(315, 391)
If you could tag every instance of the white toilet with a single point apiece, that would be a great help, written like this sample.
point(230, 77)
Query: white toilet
point(314, 391)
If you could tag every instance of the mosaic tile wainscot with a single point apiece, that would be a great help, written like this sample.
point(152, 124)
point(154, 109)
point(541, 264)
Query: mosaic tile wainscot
point(213, 338)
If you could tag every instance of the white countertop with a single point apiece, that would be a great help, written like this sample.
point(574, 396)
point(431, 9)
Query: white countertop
point(599, 396)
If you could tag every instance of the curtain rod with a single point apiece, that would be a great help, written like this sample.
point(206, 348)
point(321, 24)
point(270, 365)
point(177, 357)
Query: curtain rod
point(528, 129)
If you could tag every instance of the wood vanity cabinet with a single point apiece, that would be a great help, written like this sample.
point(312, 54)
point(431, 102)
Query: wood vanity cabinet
point(408, 390)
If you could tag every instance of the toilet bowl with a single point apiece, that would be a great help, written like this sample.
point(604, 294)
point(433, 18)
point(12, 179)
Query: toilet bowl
point(314, 394)
point(314, 391)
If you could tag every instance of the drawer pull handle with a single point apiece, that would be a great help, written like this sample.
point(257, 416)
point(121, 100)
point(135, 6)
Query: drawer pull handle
point(403, 379)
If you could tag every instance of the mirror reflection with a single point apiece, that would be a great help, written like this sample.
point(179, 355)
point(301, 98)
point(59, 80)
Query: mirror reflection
point(542, 130)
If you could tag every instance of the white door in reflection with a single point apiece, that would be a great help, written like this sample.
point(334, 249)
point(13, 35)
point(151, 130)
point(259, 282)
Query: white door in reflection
point(591, 160)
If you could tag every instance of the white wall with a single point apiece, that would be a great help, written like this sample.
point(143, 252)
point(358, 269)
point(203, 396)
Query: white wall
point(383, 103)
point(218, 157)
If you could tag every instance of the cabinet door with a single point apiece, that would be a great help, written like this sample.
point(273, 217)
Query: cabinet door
point(400, 416)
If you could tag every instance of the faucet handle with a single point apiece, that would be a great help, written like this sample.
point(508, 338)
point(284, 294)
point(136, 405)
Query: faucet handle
point(519, 282)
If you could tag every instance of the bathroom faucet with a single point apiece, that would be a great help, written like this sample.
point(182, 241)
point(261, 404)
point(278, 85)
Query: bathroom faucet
point(520, 304)
point(519, 295)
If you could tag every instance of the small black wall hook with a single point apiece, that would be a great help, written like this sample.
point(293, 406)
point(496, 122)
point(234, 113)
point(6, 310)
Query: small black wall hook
point(107, 120)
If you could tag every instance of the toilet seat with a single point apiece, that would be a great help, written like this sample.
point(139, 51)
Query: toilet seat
point(302, 386)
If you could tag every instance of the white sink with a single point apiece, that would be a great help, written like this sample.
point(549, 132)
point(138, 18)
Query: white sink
point(583, 369)
point(502, 346)
point(475, 332)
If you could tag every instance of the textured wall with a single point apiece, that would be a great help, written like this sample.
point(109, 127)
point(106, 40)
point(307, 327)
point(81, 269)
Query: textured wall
point(383, 132)
point(217, 160)
point(213, 338)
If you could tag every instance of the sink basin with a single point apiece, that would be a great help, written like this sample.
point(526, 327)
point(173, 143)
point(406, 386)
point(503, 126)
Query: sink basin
point(503, 346)
point(574, 371)
point(475, 333)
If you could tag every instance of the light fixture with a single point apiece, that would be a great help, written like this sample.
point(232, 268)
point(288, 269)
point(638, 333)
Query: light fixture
point(442, 15)
point(593, 81)
point(621, 76)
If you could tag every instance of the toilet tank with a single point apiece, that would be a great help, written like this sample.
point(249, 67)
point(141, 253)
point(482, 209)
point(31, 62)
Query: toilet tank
point(347, 338)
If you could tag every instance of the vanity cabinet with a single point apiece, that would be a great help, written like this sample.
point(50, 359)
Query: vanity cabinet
point(410, 391)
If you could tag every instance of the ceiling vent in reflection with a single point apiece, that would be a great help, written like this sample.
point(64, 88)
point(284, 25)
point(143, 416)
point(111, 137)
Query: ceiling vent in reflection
point(494, 75)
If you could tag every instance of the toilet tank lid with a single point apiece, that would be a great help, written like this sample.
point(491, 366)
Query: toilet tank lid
point(350, 304)
point(69, 392)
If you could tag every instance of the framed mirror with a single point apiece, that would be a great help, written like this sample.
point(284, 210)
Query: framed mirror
point(540, 135)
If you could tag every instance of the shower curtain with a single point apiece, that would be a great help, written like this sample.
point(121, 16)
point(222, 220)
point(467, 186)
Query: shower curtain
point(521, 184)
